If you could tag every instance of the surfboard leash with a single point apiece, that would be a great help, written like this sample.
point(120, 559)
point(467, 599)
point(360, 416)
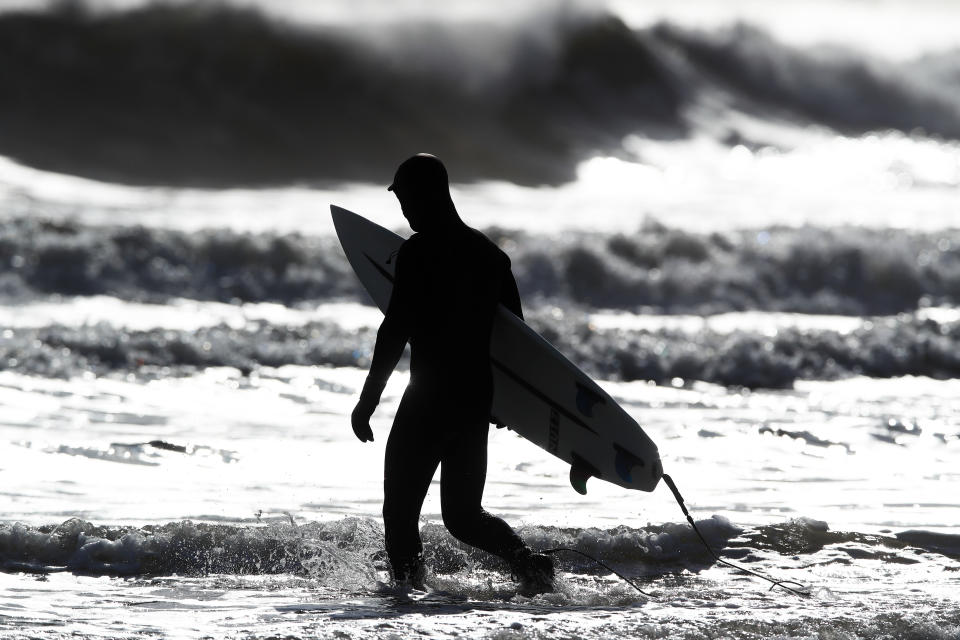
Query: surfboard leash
point(602, 564)
point(799, 589)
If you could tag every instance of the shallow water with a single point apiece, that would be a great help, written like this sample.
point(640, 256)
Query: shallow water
point(266, 522)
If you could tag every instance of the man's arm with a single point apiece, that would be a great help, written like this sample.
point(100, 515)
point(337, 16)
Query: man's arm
point(509, 294)
point(391, 339)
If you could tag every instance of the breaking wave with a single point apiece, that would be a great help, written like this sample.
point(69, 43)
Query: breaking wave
point(154, 265)
point(882, 348)
point(209, 94)
point(826, 85)
point(351, 550)
point(187, 548)
point(849, 271)
point(884, 276)
point(317, 549)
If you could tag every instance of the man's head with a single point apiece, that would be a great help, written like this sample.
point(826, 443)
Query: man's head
point(423, 189)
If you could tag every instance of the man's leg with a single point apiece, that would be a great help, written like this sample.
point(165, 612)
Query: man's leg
point(462, 478)
point(411, 460)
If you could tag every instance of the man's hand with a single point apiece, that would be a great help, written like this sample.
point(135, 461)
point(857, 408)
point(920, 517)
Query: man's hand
point(360, 419)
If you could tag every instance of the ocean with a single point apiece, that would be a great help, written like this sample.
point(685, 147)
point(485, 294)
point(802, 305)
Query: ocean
point(741, 218)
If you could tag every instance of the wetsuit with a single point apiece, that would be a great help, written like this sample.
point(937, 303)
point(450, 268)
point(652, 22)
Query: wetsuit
point(447, 287)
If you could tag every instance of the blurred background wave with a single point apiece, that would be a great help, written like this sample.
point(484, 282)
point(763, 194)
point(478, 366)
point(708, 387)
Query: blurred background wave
point(219, 94)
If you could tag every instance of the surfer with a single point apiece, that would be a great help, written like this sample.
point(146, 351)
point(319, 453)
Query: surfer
point(449, 279)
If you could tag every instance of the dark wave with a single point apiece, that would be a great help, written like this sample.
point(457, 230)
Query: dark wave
point(154, 265)
point(848, 271)
point(886, 347)
point(206, 94)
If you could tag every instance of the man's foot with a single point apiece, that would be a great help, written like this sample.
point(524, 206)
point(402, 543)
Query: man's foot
point(534, 572)
point(411, 575)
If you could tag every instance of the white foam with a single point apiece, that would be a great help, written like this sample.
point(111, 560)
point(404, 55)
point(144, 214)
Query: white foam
point(765, 323)
point(877, 181)
point(179, 313)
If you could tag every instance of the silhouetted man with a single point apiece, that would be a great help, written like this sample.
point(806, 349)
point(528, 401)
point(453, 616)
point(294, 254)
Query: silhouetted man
point(449, 280)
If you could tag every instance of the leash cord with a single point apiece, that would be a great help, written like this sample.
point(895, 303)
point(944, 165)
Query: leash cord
point(602, 564)
point(800, 589)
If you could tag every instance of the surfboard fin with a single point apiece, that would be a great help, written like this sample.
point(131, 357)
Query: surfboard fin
point(580, 472)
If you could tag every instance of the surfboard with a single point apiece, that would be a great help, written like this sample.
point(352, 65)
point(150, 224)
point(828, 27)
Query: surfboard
point(538, 392)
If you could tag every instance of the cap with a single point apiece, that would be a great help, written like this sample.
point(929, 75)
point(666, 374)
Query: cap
point(423, 171)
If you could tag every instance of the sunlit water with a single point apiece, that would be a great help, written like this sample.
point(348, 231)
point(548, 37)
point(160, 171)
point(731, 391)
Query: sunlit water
point(848, 487)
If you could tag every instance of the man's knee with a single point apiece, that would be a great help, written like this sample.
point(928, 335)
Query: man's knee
point(462, 524)
point(398, 513)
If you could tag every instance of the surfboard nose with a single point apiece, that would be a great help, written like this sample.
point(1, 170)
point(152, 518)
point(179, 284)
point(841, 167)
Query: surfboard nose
point(343, 220)
point(656, 472)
